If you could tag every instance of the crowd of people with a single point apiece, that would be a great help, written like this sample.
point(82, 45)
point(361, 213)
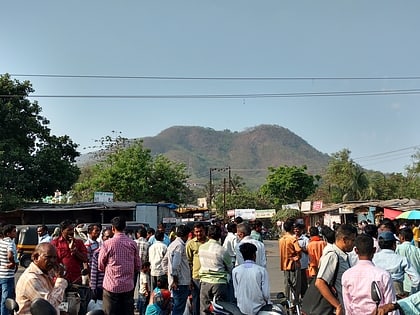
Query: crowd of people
point(343, 262)
point(181, 273)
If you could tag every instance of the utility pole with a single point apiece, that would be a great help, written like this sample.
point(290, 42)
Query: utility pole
point(211, 186)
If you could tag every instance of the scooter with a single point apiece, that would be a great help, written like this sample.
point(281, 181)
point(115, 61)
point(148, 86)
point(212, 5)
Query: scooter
point(227, 308)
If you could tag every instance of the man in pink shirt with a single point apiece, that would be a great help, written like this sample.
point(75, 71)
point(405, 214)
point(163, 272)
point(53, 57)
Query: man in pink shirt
point(119, 259)
point(357, 281)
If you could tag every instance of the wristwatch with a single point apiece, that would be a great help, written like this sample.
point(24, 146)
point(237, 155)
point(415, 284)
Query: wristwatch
point(396, 306)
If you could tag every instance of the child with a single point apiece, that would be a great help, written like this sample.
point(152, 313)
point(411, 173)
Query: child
point(160, 302)
point(144, 288)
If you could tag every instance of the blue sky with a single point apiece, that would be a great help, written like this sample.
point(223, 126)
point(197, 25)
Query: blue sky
point(359, 45)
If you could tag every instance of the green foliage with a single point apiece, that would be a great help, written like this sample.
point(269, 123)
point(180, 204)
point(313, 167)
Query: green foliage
point(132, 174)
point(346, 179)
point(288, 184)
point(33, 162)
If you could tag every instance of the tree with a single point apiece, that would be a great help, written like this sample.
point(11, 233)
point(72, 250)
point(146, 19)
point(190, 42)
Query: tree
point(413, 177)
point(132, 174)
point(33, 162)
point(287, 184)
point(345, 179)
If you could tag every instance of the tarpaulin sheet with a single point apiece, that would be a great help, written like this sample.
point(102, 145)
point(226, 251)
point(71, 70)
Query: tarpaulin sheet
point(391, 213)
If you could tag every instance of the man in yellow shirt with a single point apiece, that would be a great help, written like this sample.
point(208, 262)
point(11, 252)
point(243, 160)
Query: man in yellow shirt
point(290, 253)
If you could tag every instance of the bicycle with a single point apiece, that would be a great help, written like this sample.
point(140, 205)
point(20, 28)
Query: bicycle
point(294, 307)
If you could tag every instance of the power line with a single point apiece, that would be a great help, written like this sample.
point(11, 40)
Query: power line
point(374, 156)
point(231, 96)
point(70, 76)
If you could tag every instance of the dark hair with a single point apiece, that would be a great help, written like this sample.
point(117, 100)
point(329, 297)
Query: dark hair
point(92, 226)
point(364, 245)
point(299, 226)
point(407, 234)
point(198, 225)
point(214, 232)
point(159, 235)
point(182, 230)
point(145, 264)
point(238, 220)
point(151, 230)
point(118, 223)
point(389, 224)
point(43, 227)
point(289, 225)
point(142, 232)
point(328, 233)
point(345, 231)
point(248, 251)
point(8, 228)
point(65, 224)
point(371, 230)
point(313, 231)
point(383, 244)
point(231, 227)
point(258, 223)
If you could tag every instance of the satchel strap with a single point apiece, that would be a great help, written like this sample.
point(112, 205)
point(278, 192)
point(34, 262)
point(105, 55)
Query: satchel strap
point(336, 270)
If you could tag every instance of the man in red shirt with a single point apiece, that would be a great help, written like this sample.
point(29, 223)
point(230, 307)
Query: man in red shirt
point(315, 247)
point(72, 253)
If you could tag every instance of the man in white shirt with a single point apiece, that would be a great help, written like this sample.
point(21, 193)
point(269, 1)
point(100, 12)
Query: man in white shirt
point(43, 237)
point(243, 231)
point(251, 282)
point(156, 253)
point(229, 244)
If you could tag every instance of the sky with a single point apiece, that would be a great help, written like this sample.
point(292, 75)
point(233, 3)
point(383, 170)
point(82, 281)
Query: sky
point(339, 74)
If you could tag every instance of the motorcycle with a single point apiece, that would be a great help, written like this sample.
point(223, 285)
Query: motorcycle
point(228, 308)
point(41, 306)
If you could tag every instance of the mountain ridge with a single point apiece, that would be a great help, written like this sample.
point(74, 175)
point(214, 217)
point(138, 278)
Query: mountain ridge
point(255, 148)
point(249, 153)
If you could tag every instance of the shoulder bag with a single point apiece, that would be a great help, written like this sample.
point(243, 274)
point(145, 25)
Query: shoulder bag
point(313, 302)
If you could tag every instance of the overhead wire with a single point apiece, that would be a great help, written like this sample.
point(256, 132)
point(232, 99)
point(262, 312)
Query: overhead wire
point(230, 78)
point(230, 96)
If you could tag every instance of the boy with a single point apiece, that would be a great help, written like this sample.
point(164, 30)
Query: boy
point(144, 288)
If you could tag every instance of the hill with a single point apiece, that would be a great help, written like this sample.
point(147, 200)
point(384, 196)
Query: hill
point(248, 153)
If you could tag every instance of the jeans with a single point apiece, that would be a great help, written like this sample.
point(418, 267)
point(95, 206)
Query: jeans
point(195, 297)
point(180, 297)
point(7, 291)
point(142, 302)
point(118, 303)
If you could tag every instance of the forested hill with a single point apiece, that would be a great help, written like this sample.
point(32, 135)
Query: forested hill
point(249, 153)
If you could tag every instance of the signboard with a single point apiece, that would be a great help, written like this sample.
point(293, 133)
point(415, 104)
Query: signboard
point(343, 210)
point(317, 205)
point(169, 220)
point(290, 206)
point(246, 214)
point(305, 206)
point(101, 196)
point(267, 213)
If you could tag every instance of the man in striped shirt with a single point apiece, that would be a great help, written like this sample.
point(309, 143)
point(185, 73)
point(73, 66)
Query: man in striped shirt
point(44, 278)
point(7, 265)
point(215, 265)
point(119, 259)
point(96, 276)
